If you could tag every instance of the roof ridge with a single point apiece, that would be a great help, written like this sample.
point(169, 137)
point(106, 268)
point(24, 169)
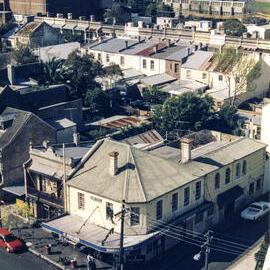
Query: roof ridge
point(138, 174)
point(225, 146)
point(126, 180)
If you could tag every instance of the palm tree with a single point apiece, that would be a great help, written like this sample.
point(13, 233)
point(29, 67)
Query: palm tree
point(52, 72)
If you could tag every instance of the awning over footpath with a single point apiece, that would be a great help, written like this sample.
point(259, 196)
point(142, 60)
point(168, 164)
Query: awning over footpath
point(230, 195)
point(15, 190)
point(70, 227)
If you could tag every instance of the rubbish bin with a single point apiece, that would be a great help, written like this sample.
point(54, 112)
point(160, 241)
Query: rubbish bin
point(73, 263)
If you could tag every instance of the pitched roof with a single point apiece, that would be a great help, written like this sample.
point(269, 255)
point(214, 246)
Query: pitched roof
point(198, 60)
point(19, 120)
point(143, 176)
point(28, 29)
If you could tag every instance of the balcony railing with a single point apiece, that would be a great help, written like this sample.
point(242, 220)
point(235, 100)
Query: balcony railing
point(45, 197)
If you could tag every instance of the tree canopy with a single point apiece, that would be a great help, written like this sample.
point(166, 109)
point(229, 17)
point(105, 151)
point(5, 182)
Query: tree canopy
point(234, 28)
point(22, 55)
point(189, 111)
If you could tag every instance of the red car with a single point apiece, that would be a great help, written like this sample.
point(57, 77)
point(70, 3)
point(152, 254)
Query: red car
point(9, 242)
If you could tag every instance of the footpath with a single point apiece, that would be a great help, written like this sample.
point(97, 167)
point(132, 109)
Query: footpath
point(37, 240)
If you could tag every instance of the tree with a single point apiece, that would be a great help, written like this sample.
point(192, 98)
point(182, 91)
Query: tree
point(151, 10)
point(240, 71)
point(79, 73)
point(113, 72)
point(22, 55)
point(52, 72)
point(234, 28)
point(118, 14)
point(153, 95)
point(97, 101)
point(189, 111)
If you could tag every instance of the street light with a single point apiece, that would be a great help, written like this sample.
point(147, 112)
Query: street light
point(197, 256)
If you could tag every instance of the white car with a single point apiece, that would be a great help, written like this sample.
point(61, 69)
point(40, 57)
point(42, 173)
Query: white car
point(256, 211)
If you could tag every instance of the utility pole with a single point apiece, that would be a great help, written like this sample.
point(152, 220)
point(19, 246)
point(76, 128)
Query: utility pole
point(123, 212)
point(206, 246)
point(206, 249)
point(64, 180)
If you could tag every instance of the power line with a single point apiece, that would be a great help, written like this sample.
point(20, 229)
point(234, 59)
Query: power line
point(179, 233)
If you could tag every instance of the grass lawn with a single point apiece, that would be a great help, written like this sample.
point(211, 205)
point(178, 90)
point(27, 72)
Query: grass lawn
point(263, 7)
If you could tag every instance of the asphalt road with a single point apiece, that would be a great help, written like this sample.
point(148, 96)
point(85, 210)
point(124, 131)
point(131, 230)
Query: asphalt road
point(243, 232)
point(23, 261)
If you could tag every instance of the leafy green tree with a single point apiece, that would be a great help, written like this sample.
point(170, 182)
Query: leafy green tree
point(153, 95)
point(189, 111)
point(98, 101)
point(234, 28)
point(118, 14)
point(79, 73)
point(113, 72)
point(22, 55)
point(52, 72)
point(240, 71)
point(151, 10)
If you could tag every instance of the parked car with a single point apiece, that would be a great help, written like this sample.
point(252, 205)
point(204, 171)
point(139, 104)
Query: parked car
point(256, 211)
point(10, 242)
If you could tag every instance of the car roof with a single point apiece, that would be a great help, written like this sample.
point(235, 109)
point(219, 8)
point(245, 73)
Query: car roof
point(4, 232)
point(259, 203)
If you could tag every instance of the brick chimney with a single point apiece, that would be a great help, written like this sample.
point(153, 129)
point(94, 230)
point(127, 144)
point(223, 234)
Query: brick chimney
point(113, 163)
point(186, 150)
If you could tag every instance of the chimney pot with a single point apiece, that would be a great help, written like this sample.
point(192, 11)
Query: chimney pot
point(186, 144)
point(126, 42)
point(113, 163)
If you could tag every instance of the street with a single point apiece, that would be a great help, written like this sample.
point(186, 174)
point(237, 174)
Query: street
point(246, 233)
point(23, 261)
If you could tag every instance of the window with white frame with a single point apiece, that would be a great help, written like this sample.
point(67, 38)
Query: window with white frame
point(81, 201)
point(174, 202)
point(135, 216)
point(186, 196)
point(159, 210)
point(198, 192)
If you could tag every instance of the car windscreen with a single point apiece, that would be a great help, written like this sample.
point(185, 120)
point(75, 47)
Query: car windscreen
point(10, 238)
point(255, 207)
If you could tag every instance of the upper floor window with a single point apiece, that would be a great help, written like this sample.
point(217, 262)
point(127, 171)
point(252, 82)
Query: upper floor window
point(135, 216)
point(122, 60)
point(238, 170)
point(152, 64)
point(81, 201)
point(228, 176)
point(204, 75)
point(176, 68)
point(217, 181)
point(99, 57)
point(220, 78)
point(109, 210)
point(244, 168)
point(174, 202)
point(144, 63)
point(107, 58)
point(186, 196)
point(159, 210)
point(198, 190)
